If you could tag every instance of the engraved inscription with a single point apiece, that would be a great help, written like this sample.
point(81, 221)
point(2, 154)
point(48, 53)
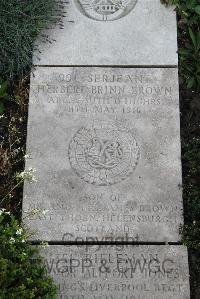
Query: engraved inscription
point(111, 138)
point(105, 10)
point(103, 154)
point(118, 272)
point(98, 94)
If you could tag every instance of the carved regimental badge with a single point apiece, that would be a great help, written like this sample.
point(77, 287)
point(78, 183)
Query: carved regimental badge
point(103, 155)
point(105, 10)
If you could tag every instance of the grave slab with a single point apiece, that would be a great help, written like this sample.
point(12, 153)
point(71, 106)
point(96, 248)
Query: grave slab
point(105, 143)
point(120, 272)
point(132, 32)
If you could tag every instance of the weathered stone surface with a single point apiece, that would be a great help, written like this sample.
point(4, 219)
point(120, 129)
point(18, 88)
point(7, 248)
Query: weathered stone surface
point(106, 148)
point(143, 32)
point(120, 272)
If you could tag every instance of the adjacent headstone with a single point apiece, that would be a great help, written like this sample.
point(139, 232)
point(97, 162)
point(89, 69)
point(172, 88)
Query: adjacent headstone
point(105, 143)
point(120, 272)
point(127, 32)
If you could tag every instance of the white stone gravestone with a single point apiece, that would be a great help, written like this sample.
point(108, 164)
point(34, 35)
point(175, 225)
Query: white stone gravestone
point(104, 138)
point(121, 272)
point(137, 32)
point(105, 143)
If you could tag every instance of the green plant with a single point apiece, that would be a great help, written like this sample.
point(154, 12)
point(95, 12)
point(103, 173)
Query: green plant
point(191, 192)
point(13, 124)
point(20, 23)
point(20, 276)
point(189, 58)
point(191, 235)
point(3, 94)
point(189, 40)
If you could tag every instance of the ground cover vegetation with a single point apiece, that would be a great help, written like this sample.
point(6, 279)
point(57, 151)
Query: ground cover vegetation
point(22, 273)
point(188, 20)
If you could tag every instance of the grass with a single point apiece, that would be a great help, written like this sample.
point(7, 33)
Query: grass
point(20, 23)
point(189, 40)
point(13, 122)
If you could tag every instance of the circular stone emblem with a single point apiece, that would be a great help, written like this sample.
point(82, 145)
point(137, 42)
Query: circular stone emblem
point(105, 10)
point(103, 155)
